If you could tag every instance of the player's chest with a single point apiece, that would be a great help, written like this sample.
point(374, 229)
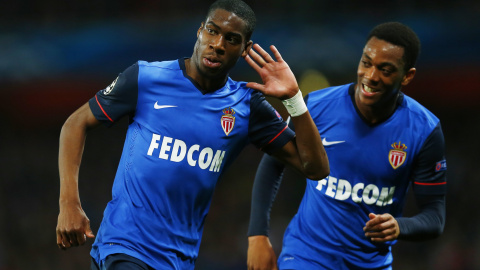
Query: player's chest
point(186, 113)
point(382, 151)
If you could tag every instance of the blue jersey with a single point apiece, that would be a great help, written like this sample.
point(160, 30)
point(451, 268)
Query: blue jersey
point(371, 169)
point(178, 143)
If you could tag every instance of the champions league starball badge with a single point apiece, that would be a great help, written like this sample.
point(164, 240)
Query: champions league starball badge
point(110, 87)
point(228, 120)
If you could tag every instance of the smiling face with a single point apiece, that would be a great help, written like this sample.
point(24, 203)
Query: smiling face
point(381, 73)
point(220, 42)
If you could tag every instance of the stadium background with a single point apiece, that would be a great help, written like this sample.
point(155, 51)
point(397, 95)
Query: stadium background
point(54, 55)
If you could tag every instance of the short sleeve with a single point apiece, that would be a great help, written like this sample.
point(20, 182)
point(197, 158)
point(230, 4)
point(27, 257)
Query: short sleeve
point(118, 99)
point(267, 130)
point(430, 167)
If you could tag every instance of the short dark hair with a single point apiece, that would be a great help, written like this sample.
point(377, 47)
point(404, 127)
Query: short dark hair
point(241, 9)
point(400, 35)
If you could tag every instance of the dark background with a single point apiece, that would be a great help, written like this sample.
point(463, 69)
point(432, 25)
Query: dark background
point(54, 56)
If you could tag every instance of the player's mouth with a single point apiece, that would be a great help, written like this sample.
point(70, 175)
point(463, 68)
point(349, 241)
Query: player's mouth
point(368, 91)
point(211, 62)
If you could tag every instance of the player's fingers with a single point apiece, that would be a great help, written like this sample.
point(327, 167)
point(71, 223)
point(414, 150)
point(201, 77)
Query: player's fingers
point(371, 224)
point(386, 223)
point(265, 55)
point(374, 234)
point(380, 227)
point(88, 231)
point(81, 238)
point(383, 239)
point(276, 53)
point(257, 58)
point(385, 217)
point(390, 231)
point(376, 220)
point(252, 63)
point(60, 240)
point(74, 238)
point(65, 240)
point(378, 240)
point(259, 48)
point(256, 86)
point(89, 234)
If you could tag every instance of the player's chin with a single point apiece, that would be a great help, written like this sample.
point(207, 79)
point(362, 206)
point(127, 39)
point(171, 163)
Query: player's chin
point(368, 101)
point(215, 73)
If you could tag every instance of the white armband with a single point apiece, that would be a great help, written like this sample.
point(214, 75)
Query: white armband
point(295, 105)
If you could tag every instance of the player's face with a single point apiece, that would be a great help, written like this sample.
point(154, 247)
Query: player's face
point(220, 42)
point(381, 74)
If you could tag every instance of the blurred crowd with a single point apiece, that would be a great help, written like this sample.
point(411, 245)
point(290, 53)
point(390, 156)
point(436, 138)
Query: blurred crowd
point(54, 56)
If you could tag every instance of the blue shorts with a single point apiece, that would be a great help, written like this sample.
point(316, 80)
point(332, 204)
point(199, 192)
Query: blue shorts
point(120, 261)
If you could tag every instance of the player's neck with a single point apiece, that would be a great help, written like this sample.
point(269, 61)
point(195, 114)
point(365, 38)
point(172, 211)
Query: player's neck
point(206, 83)
point(379, 112)
point(209, 85)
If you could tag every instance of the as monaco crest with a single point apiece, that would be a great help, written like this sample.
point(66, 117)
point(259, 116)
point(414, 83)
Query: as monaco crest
point(228, 120)
point(397, 155)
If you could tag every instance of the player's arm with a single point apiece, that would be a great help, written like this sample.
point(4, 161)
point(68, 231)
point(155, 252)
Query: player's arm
point(429, 186)
point(305, 153)
point(73, 226)
point(108, 106)
point(260, 253)
point(427, 224)
point(265, 187)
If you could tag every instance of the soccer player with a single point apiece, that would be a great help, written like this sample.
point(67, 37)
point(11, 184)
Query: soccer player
point(379, 142)
point(188, 122)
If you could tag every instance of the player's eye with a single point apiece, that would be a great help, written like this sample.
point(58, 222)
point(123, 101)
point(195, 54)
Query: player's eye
point(210, 30)
point(233, 39)
point(387, 71)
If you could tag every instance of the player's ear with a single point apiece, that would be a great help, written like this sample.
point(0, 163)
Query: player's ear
point(200, 29)
point(408, 76)
point(248, 47)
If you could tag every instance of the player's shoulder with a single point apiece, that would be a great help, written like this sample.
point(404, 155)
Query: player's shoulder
point(236, 85)
point(160, 70)
point(240, 89)
point(329, 93)
point(422, 113)
point(169, 64)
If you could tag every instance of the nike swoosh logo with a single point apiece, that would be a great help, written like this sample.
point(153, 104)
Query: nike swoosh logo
point(156, 106)
point(325, 143)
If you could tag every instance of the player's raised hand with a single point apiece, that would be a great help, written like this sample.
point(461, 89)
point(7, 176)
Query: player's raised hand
point(381, 228)
point(73, 227)
point(278, 79)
